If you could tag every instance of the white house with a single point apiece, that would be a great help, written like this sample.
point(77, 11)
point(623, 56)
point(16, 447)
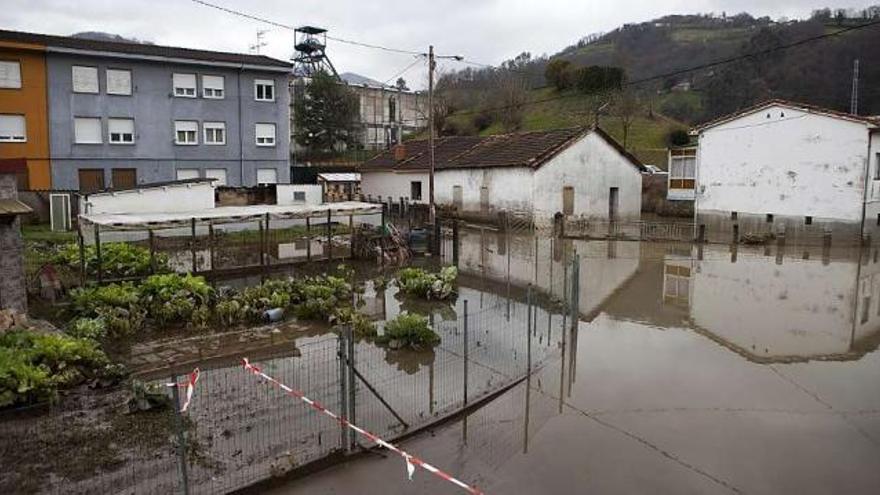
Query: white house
point(783, 166)
point(578, 172)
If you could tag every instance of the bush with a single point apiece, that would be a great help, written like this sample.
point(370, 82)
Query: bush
point(33, 367)
point(678, 137)
point(118, 259)
point(317, 298)
point(422, 283)
point(178, 299)
point(118, 305)
point(409, 330)
point(559, 73)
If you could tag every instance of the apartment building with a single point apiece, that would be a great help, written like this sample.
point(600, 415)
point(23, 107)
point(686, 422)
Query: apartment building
point(123, 114)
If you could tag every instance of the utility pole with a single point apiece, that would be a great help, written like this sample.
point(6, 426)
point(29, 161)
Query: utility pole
point(431, 66)
point(854, 102)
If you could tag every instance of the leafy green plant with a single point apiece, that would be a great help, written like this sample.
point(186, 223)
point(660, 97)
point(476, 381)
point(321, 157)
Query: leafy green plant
point(360, 324)
point(118, 305)
point(34, 366)
point(172, 298)
point(409, 330)
point(118, 259)
point(88, 328)
point(422, 283)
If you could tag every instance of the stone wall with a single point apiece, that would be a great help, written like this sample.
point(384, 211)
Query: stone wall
point(13, 293)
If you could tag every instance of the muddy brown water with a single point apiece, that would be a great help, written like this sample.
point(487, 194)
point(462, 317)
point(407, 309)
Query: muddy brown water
point(711, 370)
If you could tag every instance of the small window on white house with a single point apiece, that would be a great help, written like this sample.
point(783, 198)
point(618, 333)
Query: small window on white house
point(85, 79)
point(13, 129)
point(215, 133)
point(118, 82)
point(264, 90)
point(267, 176)
point(10, 74)
point(184, 85)
point(87, 130)
point(877, 167)
point(121, 131)
point(218, 174)
point(682, 172)
point(299, 196)
point(186, 132)
point(187, 173)
point(212, 87)
point(265, 134)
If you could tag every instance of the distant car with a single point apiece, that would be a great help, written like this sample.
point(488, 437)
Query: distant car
point(655, 170)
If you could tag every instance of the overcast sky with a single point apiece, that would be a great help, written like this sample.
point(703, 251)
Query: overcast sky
point(486, 31)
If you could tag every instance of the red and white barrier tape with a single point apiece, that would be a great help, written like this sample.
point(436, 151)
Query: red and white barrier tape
point(410, 460)
point(190, 385)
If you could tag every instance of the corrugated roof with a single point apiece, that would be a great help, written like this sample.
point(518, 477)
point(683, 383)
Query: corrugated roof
point(13, 207)
point(790, 104)
point(521, 149)
point(340, 177)
point(140, 49)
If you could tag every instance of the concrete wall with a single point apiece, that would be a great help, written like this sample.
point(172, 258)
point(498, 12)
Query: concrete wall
point(167, 199)
point(784, 162)
point(395, 184)
point(510, 188)
point(284, 194)
point(154, 110)
point(592, 167)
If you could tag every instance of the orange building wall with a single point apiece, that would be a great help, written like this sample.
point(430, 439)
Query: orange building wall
point(30, 101)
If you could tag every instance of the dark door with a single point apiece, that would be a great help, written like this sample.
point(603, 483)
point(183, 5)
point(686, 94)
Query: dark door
point(568, 200)
point(613, 204)
point(91, 180)
point(124, 178)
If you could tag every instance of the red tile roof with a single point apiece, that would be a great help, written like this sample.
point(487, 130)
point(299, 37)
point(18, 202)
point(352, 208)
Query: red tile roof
point(522, 149)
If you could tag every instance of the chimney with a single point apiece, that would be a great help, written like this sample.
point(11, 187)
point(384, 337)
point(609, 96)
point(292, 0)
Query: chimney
point(399, 153)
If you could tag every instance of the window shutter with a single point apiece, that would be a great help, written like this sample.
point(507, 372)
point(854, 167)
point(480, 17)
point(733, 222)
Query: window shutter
point(267, 176)
point(118, 82)
point(187, 173)
point(186, 125)
point(212, 82)
point(10, 74)
point(12, 128)
point(184, 81)
point(85, 79)
point(122, 126)
point(87, 130)
point(217, 173)
point(265, 134)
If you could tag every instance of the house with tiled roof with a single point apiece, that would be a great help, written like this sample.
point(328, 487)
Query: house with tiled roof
point(782, 167)
point(578, 172)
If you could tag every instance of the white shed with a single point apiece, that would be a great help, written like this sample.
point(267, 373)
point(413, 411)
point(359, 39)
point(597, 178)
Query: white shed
point(783, 166)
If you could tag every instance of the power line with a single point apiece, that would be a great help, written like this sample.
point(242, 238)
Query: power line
point(292, 28)
point(707, 65)
point(404, 71)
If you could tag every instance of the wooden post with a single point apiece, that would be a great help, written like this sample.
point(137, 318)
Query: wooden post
point(192, 245)
point(152, 237)
point(266, 242)
point(211, 246)
point(329, 237)
point(98, 253)
point(262, 243)
point(308, 239)
point(351, 236)
point(382, 235)
point(455, 242)
point(82, 255)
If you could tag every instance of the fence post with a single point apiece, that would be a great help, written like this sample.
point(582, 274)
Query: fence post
point(181, 437)
point(382, 234)
point(211, 246)
point(266, 241)
point(98, 253)
point(343, 394)
point(329, 236)
point(352, 384)
point(455, 242)
point(529, 315)
point(82, 255)
point(152, 238)
point(262, 242)
point(192, 245)
point(308, 239)
point(575, 289)
point(465, 352)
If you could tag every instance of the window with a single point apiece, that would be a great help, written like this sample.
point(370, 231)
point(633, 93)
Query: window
point(415, 190)
point(733, 215)
point(299, 196)
point(877, 167)
point(457, 196)
point(265, 134)
point(392, 109)
point(568, 200)
point(682, 172)
point(218, 174)
point(187, 173)
point(10, 74)
point(118, 82)
point(85, 79)
point(13, 129)
point(484, 198)
point(212, 87)
point(264, 90)
point(121, 131)
point(215, 132)
point(808, 220)
point(87, 130)
point(184, 85)
point(267, 176)
point(186, 132)
point(769, 218)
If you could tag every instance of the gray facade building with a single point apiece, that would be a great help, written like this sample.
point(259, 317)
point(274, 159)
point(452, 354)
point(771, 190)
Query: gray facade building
point(122, 114)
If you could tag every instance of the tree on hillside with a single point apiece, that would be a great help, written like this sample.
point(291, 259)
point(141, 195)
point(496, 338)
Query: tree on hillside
point(401, 84)
point(558, 73)
point(510, 98)
point(324, 114)
point(627, 107)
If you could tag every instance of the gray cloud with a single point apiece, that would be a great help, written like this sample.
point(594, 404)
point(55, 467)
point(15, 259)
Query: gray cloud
point(487, 31)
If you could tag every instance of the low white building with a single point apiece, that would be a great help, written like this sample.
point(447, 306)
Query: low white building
point(782, 167)
point(157, 197)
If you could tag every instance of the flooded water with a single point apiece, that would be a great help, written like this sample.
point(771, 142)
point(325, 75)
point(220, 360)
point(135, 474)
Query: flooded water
point(691, 370)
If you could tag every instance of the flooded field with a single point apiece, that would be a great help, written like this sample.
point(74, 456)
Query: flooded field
point(692, 370)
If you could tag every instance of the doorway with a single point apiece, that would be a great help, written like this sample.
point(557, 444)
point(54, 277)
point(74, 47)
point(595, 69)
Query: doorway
point(613, 207)
point(124, 178)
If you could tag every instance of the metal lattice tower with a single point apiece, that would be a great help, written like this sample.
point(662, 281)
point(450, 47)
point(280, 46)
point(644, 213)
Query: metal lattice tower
point(310, 43)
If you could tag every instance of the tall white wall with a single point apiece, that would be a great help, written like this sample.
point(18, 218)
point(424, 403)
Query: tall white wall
point(783, 161)
point(284, 194)
point(510, 188)
point(394, 184)
point(167, 199)
point(592, 167)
